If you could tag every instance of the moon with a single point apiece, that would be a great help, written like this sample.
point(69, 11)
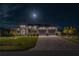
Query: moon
point(34, 15)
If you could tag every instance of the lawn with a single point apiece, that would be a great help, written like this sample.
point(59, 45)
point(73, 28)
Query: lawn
point(74, 39)
point(18, 42)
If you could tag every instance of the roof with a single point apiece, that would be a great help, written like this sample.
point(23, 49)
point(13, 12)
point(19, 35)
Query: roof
point(37, 24)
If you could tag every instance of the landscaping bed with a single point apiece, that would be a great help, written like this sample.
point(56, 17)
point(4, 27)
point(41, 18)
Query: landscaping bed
point(18, 42)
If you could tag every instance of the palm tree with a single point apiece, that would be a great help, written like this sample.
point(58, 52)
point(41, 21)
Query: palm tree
point(13, 32)
point(69, 30)
point(72, 30)
point(66, 30)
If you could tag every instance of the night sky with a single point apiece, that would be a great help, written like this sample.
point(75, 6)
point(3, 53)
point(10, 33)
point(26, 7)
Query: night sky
point(56, 14)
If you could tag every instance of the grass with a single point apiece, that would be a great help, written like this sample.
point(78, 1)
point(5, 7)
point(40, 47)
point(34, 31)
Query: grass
point(18, 42)
point(74, 39)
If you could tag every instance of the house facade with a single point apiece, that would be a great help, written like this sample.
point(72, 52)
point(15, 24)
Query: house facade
point(37, 29)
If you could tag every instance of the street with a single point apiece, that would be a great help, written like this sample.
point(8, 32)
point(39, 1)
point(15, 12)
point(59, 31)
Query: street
point(47, 45)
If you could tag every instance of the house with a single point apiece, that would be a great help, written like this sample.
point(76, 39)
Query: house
point(37, 29)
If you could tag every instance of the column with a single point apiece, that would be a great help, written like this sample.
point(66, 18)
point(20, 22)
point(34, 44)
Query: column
point(47, 32)
point(26, 31)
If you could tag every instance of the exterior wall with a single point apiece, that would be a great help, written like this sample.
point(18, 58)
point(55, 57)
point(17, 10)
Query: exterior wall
point(22, 30)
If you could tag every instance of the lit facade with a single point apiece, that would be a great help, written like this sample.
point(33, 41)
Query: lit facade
point(35, 29)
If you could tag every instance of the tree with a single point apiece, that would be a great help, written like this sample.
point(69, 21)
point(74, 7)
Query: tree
point(66, 30)
point(72, 30)
point(69, 30)
point(12, 32)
